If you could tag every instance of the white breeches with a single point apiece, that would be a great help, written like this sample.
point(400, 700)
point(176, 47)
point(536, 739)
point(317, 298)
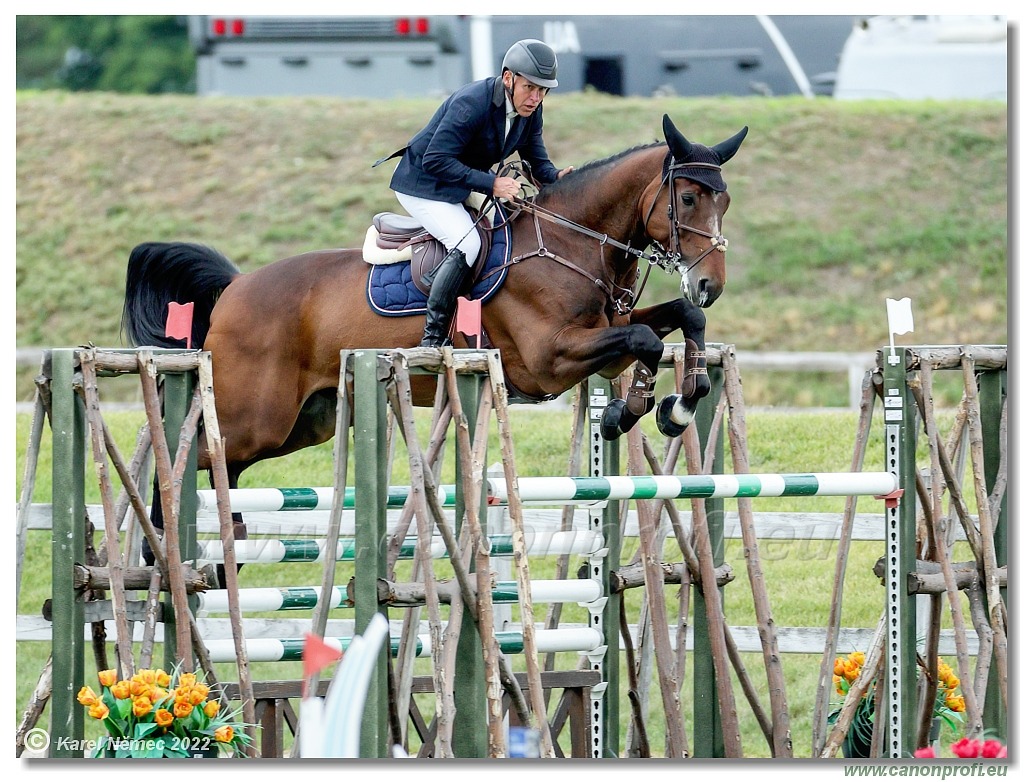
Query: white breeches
point(450, 224)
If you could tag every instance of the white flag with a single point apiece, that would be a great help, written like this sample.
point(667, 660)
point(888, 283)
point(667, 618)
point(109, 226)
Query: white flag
point(901, 317)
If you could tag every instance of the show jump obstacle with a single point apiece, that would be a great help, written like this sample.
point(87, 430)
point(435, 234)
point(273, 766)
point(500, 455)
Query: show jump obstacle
point(473, 642)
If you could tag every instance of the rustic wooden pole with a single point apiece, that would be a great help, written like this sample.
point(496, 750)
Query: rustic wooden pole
point(835, 616)
point(150, 622)
point(162, 459)
point(28, 484)
point(405, 659)
point(954, 483)
point(36, 705)
point(979, 616)
point(521, 560)
point(509, 681)
point(713, 604)
point(126, 662)
point(934, 541)
point(218, 465)
point(996, 609)
point(663, 655)
point(693, 570)
point(443, 707)
point(638, 743)
point(782, 746)
point(343, 421)
point(431, 459)
point(157, 546)
point(579, 420)
point(472, 475)
point(136, 468)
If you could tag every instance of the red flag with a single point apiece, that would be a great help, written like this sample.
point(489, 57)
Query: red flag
point(317, 655)
point(467, 319)
point(179, 322)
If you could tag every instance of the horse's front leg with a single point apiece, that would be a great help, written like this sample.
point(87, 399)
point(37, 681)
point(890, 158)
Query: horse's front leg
point(581, 352)
point(676, 411)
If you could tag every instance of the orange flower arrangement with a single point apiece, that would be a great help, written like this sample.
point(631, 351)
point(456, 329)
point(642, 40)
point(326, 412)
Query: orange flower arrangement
point(948, 703)
point(155, 714)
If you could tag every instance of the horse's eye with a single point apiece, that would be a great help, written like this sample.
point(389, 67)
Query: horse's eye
point(689, 199)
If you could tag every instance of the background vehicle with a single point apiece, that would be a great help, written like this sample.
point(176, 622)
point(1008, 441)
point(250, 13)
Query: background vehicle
point(912, 57)
point(383, 56)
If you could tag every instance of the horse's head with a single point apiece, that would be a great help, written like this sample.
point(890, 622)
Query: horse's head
point(687, 211)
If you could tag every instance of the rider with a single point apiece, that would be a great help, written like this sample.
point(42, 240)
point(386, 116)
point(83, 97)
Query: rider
point(476, 128)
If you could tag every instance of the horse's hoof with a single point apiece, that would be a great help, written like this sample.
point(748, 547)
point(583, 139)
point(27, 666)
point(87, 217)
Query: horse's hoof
point(611, 418)
point(673, 415)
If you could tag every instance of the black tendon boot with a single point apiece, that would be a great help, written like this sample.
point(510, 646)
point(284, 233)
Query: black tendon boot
point(448, 280)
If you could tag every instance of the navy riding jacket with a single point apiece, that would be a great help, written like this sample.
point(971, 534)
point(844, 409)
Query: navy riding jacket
point(452, 155)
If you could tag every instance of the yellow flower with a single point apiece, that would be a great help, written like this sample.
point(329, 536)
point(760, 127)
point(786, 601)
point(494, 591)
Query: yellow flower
point(141, 706)
point(157, 694)
point(839, 668)
point(955, 702)
point(108, 677)
point(87, 697)
point(146, 676)
point(122, 690)
point(951, 682)
point(858, 658)
point(182, 708)
point(211, 709)
point(99, 711)
point(224, 733)
point(138, 688)
point(852, 672)
point(187, 680)
point(164, 718)
point(163, 679)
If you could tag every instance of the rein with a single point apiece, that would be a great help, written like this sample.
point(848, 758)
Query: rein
point(670, 260)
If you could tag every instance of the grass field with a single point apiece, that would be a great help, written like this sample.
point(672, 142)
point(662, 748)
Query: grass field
point(799, 574)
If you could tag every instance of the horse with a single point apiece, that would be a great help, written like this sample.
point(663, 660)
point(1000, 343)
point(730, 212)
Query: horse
point(565, 312)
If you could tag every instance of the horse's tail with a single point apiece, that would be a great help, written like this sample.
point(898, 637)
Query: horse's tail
point(164, 272)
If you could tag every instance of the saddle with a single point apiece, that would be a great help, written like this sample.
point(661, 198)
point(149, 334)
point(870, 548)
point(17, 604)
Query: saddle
point(394, 238)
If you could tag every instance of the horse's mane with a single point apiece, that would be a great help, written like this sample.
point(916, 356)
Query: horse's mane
point(581, 177)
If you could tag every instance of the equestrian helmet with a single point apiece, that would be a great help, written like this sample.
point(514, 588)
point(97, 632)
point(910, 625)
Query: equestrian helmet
point(533, 59)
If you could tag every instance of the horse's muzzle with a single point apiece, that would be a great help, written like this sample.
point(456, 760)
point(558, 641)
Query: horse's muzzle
point(702, 291)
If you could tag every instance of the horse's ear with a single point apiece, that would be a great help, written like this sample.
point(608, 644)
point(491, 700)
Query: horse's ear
point(728, 148)
point(676, 141)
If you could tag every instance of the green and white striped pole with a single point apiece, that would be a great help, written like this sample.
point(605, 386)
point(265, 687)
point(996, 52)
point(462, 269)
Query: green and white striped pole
point(583, 490)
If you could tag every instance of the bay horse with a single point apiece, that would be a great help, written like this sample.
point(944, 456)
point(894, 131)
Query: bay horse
point(565, 311)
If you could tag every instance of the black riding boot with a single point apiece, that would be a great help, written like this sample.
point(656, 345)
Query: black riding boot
point(449, 277)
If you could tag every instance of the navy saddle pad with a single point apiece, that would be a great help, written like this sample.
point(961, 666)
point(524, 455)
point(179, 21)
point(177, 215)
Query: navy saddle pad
point(390, 290)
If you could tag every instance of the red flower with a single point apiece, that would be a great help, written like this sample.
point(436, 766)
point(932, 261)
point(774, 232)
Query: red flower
point(966, 748)
point(925, 752)
point(993, 749)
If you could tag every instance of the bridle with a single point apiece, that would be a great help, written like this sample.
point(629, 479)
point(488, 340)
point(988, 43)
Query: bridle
point(673, 256)
point(623, 299)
